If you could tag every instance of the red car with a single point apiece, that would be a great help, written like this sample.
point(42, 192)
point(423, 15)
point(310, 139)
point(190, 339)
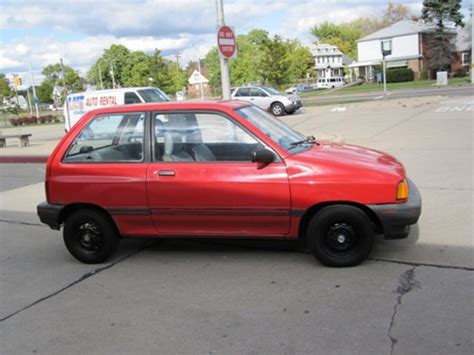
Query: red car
point(223, 170)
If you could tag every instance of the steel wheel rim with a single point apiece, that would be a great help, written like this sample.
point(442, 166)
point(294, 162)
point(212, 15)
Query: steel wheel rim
point(89, 237)
point(340, 239)
point(277, 110)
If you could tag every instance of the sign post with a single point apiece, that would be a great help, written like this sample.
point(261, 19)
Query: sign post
point(386, 50)
point(222, 39)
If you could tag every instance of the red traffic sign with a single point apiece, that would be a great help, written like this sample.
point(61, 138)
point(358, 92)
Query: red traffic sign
point(226, 41)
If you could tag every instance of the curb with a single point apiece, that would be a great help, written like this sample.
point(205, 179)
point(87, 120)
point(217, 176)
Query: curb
point(18, 159)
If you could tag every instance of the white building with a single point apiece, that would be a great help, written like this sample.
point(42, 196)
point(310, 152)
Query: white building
point(408, 48)
point(194, 84)
point(329, 61)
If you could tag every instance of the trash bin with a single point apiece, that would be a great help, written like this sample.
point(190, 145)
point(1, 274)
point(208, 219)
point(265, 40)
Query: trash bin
point(378, 78)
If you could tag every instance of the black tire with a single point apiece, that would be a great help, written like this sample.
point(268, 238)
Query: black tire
point(277, 109)
point(90, 236)
point(340, 236)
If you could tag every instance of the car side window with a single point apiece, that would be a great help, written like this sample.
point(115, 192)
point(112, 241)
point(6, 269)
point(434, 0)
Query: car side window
point(201, 137)
point(257, 92)
point(131, 98)
point(242, 92)
point(109, 138)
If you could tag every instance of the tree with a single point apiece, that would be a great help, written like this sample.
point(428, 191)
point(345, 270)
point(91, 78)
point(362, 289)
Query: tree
point(275, 62)
point(44, 92)
point(442, 13)
point(445, 15)
point(5, 90)
point(346, 34)
point(54, 73)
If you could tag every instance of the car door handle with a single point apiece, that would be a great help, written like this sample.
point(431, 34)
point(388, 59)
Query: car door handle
point(164, 173)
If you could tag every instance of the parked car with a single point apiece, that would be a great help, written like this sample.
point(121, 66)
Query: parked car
point(298, 88)
point(268, 99)
point(220, 170)
point(80, 103)
point(330, 82)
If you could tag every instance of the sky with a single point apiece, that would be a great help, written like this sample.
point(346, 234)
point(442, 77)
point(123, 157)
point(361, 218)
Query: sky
point(43, 31)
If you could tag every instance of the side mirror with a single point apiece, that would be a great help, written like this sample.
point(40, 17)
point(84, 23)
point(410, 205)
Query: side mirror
point(264, 156)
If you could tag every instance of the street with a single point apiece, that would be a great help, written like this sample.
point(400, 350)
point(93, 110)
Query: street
point(334, 96)
point(413, 296)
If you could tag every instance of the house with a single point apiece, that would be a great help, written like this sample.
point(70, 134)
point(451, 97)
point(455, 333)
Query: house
point(462, 60)
point(329, 61)
point(194, 85)
point(408, 39)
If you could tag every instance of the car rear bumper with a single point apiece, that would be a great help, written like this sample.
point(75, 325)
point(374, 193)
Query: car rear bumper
point(49, 214)
point(396, 218)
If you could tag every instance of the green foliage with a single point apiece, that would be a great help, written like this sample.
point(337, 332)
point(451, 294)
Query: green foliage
point(346, 34)
point(53, 73)
point(136, 68)
point(5, 90)
point(442, 13)
point(44, 92)
point(398, 75)
point(262, 60)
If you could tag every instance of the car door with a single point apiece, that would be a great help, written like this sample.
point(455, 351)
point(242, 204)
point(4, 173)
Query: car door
point(260, 98)
point(202, 181)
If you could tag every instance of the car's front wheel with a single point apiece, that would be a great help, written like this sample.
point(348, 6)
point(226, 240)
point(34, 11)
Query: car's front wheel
point(90, 236)
point(277, 109)
point(340, 235)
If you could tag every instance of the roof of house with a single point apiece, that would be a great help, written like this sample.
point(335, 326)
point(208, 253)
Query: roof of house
point(197, 78)
point(464, 38)
point(400, 28)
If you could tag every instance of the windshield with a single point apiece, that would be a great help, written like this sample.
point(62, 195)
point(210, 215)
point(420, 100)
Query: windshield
point(278, 131)
point(153, 95)
point(272, 91)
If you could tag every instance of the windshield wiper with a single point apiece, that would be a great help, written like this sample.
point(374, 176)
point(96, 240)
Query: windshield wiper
point(307, 140)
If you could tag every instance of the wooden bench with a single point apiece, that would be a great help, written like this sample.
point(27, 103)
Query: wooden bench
point(23, 138)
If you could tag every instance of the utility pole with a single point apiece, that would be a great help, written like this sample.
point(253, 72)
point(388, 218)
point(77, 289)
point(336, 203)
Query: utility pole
point(200, 79)
point(225, 79)
point(35, 99)
point(66, 104)
point(112, 73)
point(178, 55)
point(29, 100)
point(100, 76)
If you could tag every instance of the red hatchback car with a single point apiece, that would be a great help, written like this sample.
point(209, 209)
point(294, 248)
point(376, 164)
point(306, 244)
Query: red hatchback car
point(223, 170)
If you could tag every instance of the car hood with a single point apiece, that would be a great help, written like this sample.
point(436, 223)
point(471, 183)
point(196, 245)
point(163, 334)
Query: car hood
point(352, 158)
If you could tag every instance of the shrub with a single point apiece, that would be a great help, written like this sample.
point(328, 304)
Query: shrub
point(41, 119)
point(32, 120)
point(460, 73)
point(398, 75)
point(14, 121)
point(22, 120)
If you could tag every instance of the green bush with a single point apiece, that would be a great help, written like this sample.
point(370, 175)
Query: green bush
point(398, 75)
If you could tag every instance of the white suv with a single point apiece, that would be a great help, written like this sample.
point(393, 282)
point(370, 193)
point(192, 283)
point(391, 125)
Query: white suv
point(268, 99)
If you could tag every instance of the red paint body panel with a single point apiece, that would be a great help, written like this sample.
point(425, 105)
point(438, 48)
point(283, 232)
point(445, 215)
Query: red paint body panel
point(239, 199)
point(234, 199)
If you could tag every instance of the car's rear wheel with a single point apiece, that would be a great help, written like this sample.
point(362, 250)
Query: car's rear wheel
point(90, 236)
point(277, 109)
point(340, 235)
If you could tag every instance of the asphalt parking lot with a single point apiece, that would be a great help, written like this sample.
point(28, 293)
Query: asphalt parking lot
point(414, 296)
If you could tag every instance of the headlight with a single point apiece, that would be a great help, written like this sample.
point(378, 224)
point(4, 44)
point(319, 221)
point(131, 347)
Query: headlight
point(402, 190)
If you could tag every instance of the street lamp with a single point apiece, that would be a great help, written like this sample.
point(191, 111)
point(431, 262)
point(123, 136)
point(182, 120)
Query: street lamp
point(386, 47)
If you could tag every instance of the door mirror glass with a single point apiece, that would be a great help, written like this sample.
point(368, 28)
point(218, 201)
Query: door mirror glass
point(263, 156)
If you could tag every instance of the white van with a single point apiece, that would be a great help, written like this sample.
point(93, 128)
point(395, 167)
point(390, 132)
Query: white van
point(330, 82)
point(80, 103)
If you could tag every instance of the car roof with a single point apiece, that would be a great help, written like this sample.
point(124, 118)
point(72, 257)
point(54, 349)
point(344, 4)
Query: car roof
point(174, 105)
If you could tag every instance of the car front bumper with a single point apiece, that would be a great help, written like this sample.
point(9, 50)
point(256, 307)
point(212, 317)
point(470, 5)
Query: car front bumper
point(49, 214)
point(397, 218)
point(293, 106)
